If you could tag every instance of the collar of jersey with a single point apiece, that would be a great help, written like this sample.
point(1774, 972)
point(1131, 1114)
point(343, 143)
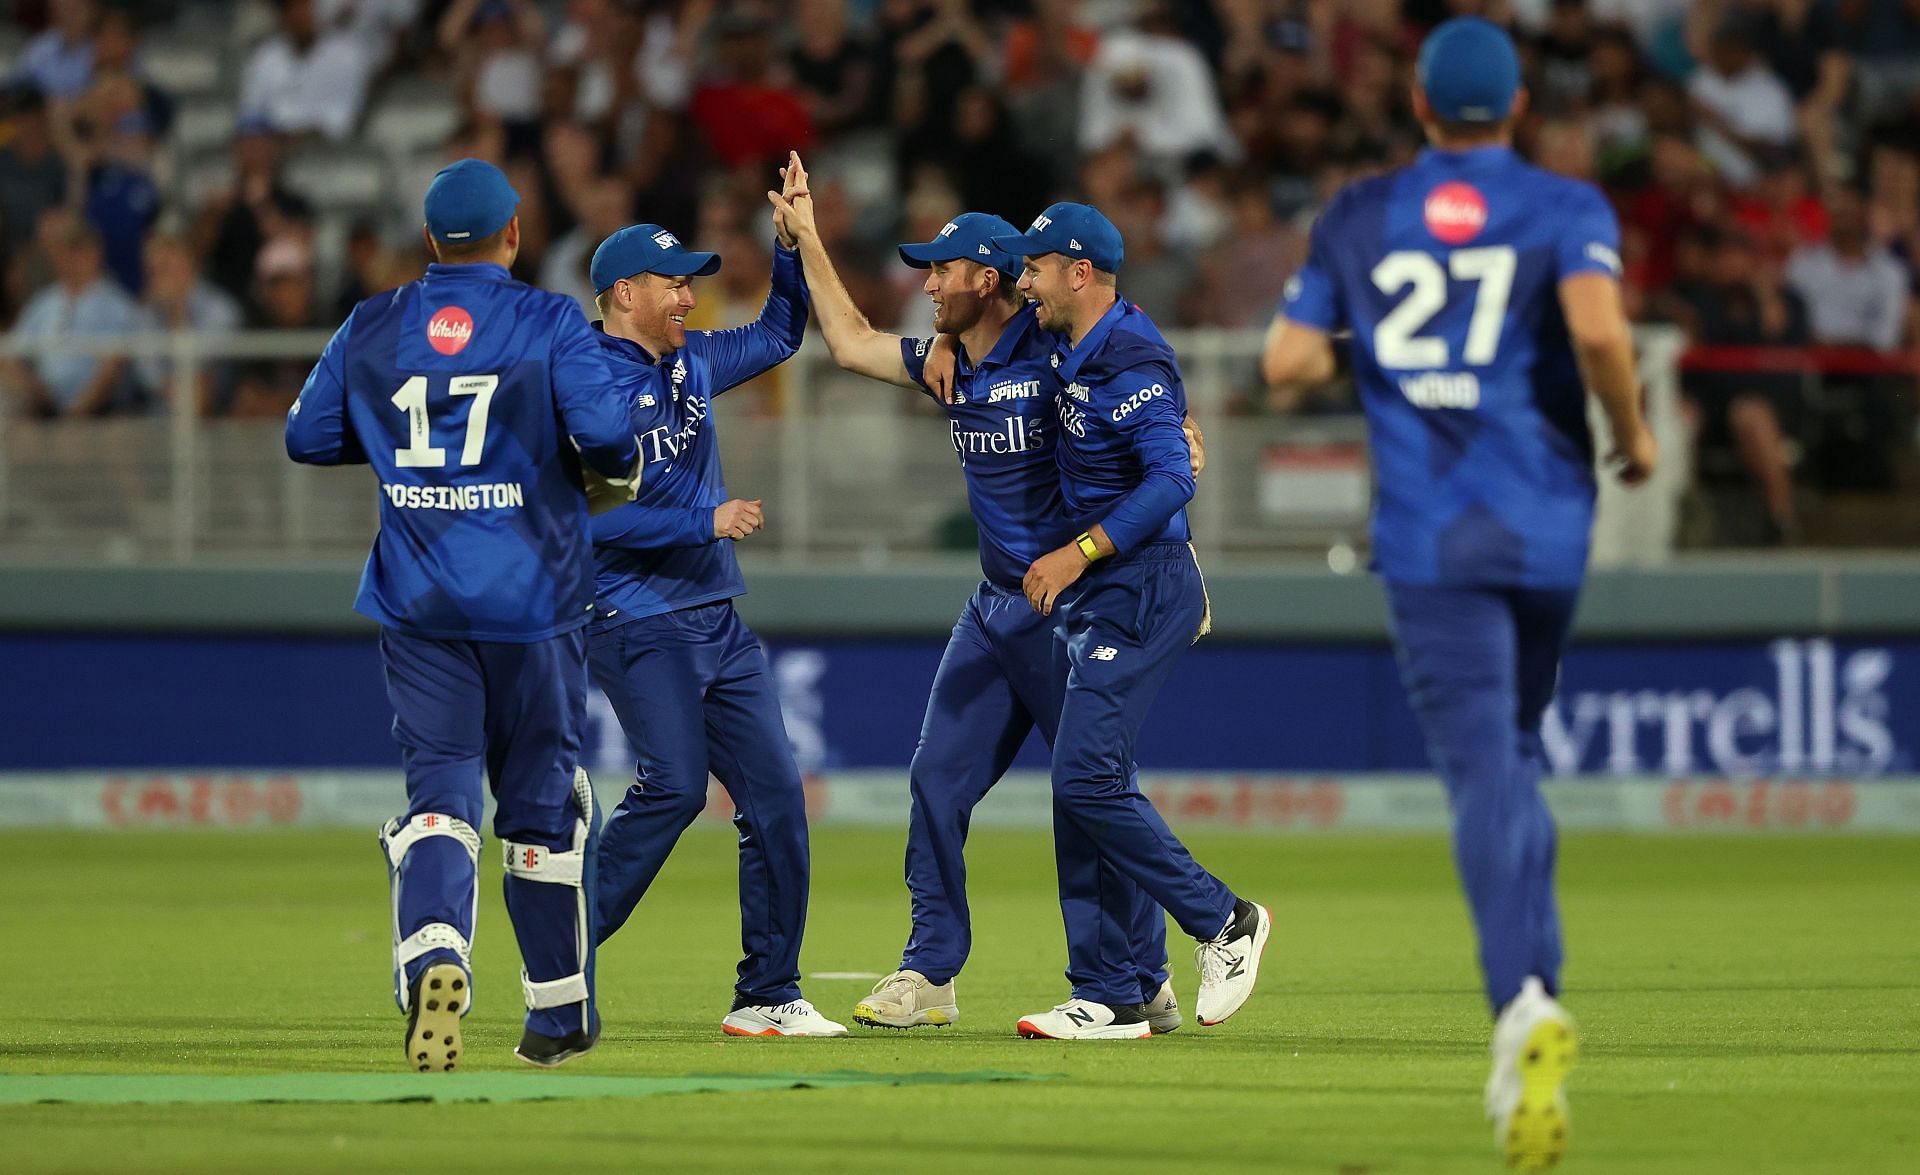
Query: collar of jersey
point(1072, 358)
point(1489, 155)
point(628, 349)
point(1001, 353)
point(484, 270)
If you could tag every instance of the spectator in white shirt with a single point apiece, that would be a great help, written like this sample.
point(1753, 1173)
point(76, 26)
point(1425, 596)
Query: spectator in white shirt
point(1741, 103)
point(604, 208)
point(1151, 85)
point(1856, 293)
point(177, 297)
point(305, 82)
point(82, 301)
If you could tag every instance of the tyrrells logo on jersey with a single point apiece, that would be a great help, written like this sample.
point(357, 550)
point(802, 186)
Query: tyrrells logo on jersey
point(1455, 212)
point(450, 330)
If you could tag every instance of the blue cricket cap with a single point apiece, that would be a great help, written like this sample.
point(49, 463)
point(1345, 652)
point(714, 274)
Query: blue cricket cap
point(646, 248)
point(969, 235)
point(469, 200)
point(1075, 230)
point(1469, 70)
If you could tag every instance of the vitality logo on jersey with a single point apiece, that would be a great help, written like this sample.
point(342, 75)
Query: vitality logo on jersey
point(1455, 212)
point(450, 330)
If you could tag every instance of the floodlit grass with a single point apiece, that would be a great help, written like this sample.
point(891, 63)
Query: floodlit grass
point(1748, 1005)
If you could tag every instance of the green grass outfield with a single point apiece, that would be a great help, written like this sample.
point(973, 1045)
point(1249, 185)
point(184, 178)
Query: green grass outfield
point(1749, 1005)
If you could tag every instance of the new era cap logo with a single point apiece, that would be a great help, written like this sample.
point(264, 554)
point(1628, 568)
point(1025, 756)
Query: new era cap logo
point(665, 240)
point(1074, 243)
point(450, 330)
point(985, 252)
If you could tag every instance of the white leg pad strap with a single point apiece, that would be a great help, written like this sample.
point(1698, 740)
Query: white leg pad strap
point(434, 936)
point(539, 863)
point(399, 837)
point(554, 993)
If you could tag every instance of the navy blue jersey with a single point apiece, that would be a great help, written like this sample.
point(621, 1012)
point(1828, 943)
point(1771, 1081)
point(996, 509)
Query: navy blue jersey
point(658, 554)
point(1448, 273)
point(474, 397)
point(1001, 423)
point(1124, 461)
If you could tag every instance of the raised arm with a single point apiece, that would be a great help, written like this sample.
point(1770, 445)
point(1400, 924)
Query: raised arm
point(851, 339)
point(737, 355)
point(318, 431)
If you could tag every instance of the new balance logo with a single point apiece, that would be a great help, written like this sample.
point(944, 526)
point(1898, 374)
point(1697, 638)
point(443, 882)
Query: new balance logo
point(1104, 653)
point(1238, 968)
point(644, 401)
point(1080, 1016)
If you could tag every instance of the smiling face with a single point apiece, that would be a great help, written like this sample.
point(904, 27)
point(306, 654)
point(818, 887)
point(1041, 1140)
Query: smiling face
point(1049, 281)
point(959, 291)
point(656, 310)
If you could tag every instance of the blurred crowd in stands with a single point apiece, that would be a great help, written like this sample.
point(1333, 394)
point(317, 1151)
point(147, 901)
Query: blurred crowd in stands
point(1764, 156)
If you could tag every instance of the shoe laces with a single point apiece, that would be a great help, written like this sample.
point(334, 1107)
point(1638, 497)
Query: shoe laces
point(1213, 960)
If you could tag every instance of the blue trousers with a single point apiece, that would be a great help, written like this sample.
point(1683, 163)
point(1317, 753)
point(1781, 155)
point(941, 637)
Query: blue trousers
point(516, 711)
point(997, 683)
point(1117, 634)
point(693, 692)
point(1480, 665)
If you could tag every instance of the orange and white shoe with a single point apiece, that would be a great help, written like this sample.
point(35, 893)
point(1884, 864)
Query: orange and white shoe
point(793, 1018)
point(1085, 1020)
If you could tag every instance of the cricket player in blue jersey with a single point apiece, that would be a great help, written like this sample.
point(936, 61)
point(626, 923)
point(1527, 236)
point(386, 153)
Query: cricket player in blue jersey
point(1125, 596)
point(996, 681)
point(1482, 294)
point(686, 677)
point(475, 399)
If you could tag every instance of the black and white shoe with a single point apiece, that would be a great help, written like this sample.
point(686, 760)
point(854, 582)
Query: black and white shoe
point(1086, 1020)
point(547, 1051)
point(434, 1003)
point(1230, 964)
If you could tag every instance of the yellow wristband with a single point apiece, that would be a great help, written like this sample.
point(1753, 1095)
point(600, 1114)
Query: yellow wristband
point(1088, 547)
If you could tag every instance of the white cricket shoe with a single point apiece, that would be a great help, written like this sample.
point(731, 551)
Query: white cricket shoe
point(905, 999)
point(1163, 1010)
point(1534, 1048)
point(1230, 964)
point(1086, 1020)
point(793, 1018)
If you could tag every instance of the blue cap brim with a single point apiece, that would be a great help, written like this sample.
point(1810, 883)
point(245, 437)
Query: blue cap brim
point(923, 256)
point(686, 263)
point(1022, 245)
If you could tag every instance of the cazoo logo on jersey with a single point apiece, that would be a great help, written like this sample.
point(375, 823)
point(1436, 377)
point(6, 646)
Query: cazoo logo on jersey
point(1137, 401)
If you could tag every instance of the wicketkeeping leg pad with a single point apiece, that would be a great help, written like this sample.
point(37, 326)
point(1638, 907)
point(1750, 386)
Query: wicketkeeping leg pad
point(433, 873)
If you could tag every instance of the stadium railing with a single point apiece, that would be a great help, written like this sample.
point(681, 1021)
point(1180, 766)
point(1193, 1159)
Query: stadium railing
point(854, 474)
